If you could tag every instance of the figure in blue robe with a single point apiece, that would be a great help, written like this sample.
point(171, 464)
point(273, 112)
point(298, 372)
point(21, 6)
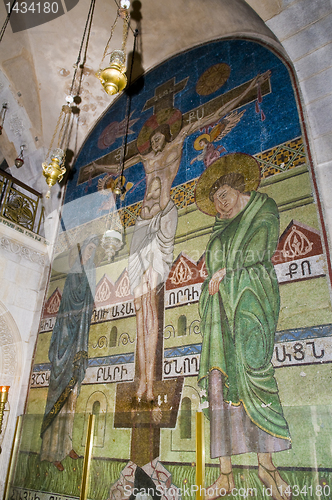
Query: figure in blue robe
point(68, 355)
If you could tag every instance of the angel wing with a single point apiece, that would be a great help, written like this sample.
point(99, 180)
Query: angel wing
point(226, 125)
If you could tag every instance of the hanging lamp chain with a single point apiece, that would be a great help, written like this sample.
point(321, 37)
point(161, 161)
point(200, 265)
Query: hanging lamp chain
point(55, 133)
point(86, 35)
point(124, 14)
point(108, 42)
point(125, 29)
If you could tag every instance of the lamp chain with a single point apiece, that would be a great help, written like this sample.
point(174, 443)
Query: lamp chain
point(62, 134)
point(55, 133)
point(125, 31)
point(108, 42)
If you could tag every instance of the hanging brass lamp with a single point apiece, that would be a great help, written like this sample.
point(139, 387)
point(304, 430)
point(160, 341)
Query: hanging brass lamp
point(55, 170)
point(113, 77)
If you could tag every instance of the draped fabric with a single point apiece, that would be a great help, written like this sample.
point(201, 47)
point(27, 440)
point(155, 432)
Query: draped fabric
point(238, 323)
point(152, 245)
point(68, 351)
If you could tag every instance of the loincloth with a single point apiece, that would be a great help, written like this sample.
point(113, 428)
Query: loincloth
point(152, 245)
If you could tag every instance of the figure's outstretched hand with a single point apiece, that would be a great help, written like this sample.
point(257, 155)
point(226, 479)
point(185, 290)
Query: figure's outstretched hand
point(215, 281)
point(263, 77)
point(90, 169)
point(94, 169)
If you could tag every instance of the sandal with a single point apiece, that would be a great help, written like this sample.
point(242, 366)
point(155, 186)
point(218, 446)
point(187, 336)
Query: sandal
point(59, 466)
point(273, 474)
point(219, 492)
point(72, 454)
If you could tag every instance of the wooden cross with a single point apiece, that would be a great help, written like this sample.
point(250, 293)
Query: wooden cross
point(164, 95)
point(129, 413)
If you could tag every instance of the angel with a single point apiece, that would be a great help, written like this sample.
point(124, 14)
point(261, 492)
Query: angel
point(210, 153)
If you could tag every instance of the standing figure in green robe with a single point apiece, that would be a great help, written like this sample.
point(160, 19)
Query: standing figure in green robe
point(239, 307)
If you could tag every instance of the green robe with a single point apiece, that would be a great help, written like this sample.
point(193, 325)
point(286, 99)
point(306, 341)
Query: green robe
point(239, 322)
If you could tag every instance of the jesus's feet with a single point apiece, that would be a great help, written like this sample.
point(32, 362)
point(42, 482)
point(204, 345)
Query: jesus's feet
point(272, 479)
point(149, 394)
point(221, 487)
point(141, 389)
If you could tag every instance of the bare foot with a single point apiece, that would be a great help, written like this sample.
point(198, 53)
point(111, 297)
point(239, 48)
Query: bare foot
point(149, 394)
point(141, 389)
point(59, 466)
point(221, 487)
point(272, 479)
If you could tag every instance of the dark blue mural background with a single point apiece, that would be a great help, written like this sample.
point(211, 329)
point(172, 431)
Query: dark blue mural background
point(252, 135)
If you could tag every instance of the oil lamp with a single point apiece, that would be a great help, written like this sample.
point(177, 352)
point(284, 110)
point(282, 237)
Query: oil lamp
point(19, 161)
point(2, 116)
point(113, 77)
point(111, 242)
point(55, 170)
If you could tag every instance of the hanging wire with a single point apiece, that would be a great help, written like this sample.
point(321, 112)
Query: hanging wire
point(87, 29)
point(128, 111)
point(70, 119)
point(108, 41)
point(3, 29)
point(92, 8)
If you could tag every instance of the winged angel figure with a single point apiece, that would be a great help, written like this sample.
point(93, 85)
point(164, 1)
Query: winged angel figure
point(204, 142)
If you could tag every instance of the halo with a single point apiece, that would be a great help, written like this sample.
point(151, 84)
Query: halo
point(213, 78)
point(170, 116)
point(198, 140)
point(242, 163)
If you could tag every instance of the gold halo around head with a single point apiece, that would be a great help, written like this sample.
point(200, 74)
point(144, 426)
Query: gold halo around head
point(197, 145)
point(234, 162)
